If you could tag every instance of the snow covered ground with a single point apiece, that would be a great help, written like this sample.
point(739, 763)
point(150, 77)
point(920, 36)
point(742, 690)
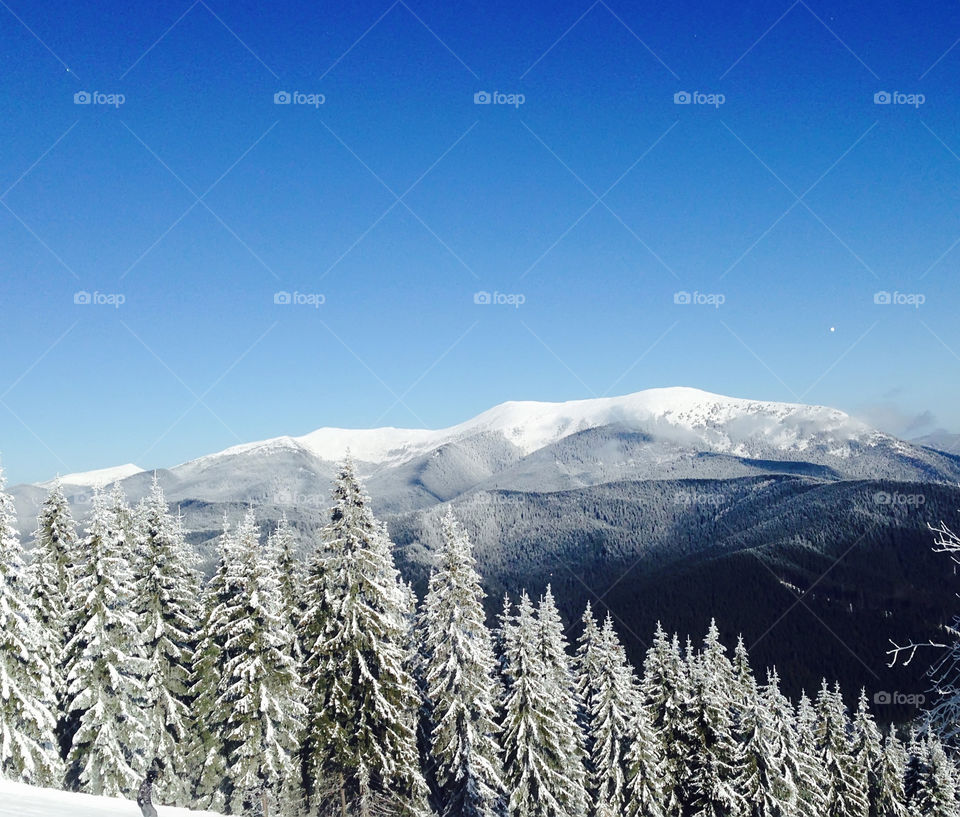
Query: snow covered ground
point(17, 800)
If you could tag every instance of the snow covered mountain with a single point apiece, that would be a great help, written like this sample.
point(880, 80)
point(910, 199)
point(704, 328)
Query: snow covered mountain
point(670, 433)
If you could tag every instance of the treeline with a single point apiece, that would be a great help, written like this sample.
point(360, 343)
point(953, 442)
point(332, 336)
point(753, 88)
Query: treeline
point(326, 689)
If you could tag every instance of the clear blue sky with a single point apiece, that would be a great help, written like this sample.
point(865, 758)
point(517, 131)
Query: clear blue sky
point(697, 198)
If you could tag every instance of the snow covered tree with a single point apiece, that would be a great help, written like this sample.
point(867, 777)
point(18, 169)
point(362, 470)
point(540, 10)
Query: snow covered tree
point(936, 794)
point(846, 783)
point(460, 683)
point(291, 578)
point(104, 666)
point(167, 608)
point(587, 672)
point(666, 698)
point(360, 746)
point(766, 783)
point(613, 704)
point(54, 553)
point(260, 694)
point(645, 770)
point(535, 727)
point(868, 750)
point(889, 798)
point(208, 753)
point(711, 778)
point(811, 776)
point(28, 750)
point(560, 684)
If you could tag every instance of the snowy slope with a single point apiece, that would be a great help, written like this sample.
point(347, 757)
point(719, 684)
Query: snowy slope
point(102, 476)
point(689, 416)
point(17, 800)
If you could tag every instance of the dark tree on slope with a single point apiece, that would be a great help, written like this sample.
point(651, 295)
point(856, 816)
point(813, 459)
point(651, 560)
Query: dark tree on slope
point(361, 749)
point(167, 609)
point(461, 683)
point(27, 741)
point(104, 665)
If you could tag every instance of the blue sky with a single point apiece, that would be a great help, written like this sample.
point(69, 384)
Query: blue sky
point(782, 187)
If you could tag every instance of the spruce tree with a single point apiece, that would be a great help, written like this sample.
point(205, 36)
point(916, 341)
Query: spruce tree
point(846, 782)
point(936, 794)
point(54, 553)
point(868, 751)
point(812, 786)
point(167, 608)
point(712, 778)
point(27, 741)
point(361, 747)
point(260, 693)
point(559, 679)
point(291, 578)
point(611, 724)
point(645, 764)
point(208, 752)
point(104, 665)
point(460, 683)
point(890, 797)
point(537, 756)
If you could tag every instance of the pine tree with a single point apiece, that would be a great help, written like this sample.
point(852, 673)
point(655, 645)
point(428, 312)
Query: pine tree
point(714, 767)
point(890, 797)
point(361, 748)
point(460, 680)
point(587, 673)
point(560, 685)
point(104, 665)
point(167, 609)
point(812, 786)
point(536, 751)
point(27, 742)
point(208, 753)
point(611, 724)
point(868, 751)
point(261, 696)
point(846, 783)
point(645, 764)
point(936, 794)
point(54, 553)
point(666, 699)
point(291, 577)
